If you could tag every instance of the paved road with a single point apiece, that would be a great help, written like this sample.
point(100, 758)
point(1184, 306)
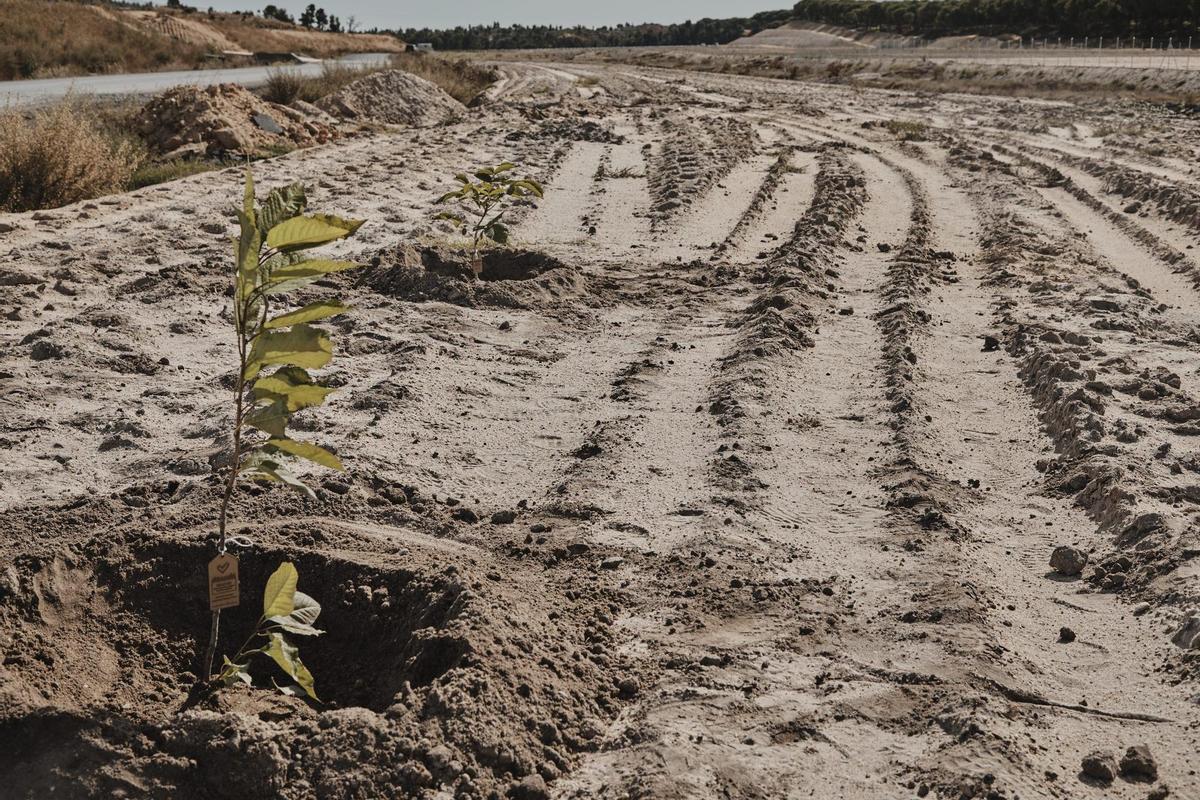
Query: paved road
point(37, 92)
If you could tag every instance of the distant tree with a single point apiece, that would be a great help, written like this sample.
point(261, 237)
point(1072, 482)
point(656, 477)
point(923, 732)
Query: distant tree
point(351, 24)
point(309, 17)
point(174, 4)
point(275, 12)
point(335, 24)
point(322, 20)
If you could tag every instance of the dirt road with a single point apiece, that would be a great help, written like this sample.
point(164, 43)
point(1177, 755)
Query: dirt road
point(749, 491)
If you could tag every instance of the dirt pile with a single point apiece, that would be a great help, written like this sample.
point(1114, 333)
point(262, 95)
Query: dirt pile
point(225, 118)
point(394, 97)
point(430, 677)
point(502, 278)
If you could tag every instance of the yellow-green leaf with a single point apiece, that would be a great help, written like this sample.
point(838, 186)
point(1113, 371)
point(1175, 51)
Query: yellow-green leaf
point(291, 386)
point(279, 596)
point(310, 313)
point(300, 232)
point(311, 268)
point(306, 450)
point(267, 470)
point(248, 195)
point(287, 656)
point(298, 346)
point(272, 419)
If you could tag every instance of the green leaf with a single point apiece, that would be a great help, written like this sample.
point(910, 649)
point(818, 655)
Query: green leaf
point(271, 419)
point(306, 450)
point(287, 656)
point(281, 204)
point(300, 621)
point(248, 195)
point(292, 276)
point(298, 346)
point(498, 233)
point(291, 386)
point(279, 596)
point(232, 673)
point(268, 470)
point(298, 233)
point(248, 244)
point(310, 313)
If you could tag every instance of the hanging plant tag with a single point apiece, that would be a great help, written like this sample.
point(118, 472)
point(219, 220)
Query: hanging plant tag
point(223, 582)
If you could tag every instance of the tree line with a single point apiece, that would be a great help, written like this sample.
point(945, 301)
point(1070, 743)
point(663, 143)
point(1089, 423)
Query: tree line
point(930, 18)
point(510, 37)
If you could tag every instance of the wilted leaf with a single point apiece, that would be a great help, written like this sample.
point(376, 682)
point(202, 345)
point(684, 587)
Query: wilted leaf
point(270, 419)
point(287, 656)
point(298, 233)
point(306, 450)
point(232, 673)
point(279, 596)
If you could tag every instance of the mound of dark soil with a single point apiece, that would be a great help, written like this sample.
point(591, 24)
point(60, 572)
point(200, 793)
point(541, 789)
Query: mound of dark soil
point(441, 671)
point(506, 278)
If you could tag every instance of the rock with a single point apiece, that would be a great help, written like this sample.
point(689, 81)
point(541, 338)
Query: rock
point(227, 139)
point(44, 350)
point(628, 687)
point(506, 517)
point(1141, 608)
point(266, 123)
point(1067, 560)
point(1100, 765)
point(531, 787)
point(1066, 635)
point(1138, 765)
point(10, 582)
point(612, 562)
point(990, 344)
point(1159, 793)
point(464, 514)
point(1188, 635)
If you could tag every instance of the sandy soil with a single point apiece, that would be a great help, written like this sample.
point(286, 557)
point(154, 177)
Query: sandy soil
point(746, 486)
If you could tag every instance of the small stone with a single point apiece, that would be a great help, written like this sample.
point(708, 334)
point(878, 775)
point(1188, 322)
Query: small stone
point(1188, 635)
point(506, 517)
point(531, 787)
point(1100, 765)
point(1138, 765)
point(628, 687)
point(1141, 608)
point(1067, 560)
point(1066, 635)
point(612, 562)
point(463, 514)
point(990, 344)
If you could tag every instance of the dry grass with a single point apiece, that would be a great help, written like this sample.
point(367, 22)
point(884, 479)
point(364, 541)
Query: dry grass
point(463, 80)
point(46, 37)
point(285, 86)
point(61, 155)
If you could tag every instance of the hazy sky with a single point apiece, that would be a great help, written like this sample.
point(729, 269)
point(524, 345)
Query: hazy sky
point(448, 13)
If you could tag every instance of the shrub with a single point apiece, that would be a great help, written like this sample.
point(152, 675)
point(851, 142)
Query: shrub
point(59, 156)
point(284, 86)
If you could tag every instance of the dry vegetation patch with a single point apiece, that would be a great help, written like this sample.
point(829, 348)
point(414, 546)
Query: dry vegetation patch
point(60, 156)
